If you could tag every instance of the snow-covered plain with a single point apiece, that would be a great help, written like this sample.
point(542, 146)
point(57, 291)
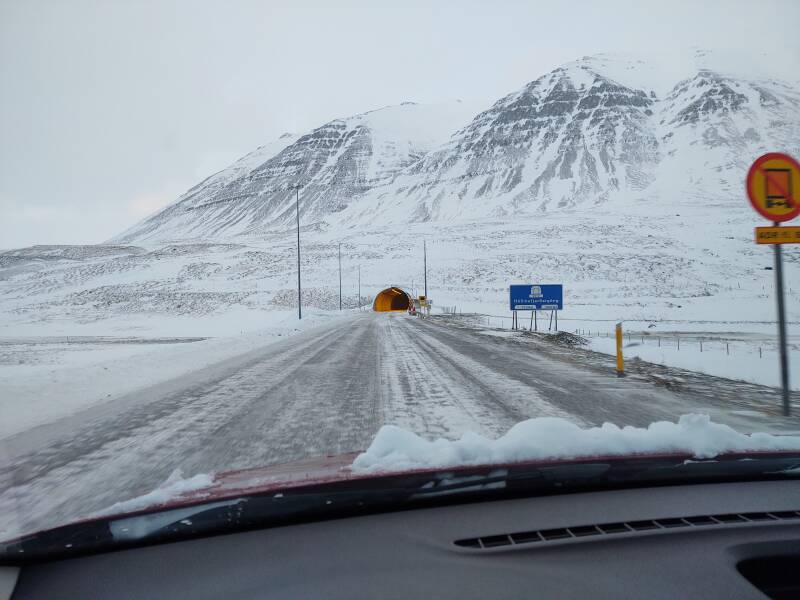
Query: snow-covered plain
point(544, 438)
point(648, 269)
point(47, 378)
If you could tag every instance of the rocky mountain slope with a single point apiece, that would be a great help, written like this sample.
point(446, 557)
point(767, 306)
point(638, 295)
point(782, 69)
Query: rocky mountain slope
point(592, 131)
point(334, 164)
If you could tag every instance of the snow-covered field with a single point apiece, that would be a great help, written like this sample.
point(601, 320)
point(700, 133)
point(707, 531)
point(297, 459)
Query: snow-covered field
point(651, 270)
point(47, 378)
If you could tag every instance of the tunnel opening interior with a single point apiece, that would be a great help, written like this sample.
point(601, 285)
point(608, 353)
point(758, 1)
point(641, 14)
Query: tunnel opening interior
point(392, 299)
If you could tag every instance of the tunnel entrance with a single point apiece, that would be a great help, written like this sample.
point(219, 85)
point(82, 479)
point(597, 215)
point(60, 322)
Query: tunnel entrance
point(391, 299)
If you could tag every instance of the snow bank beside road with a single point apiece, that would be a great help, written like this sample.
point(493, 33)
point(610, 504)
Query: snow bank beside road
point(395, 449)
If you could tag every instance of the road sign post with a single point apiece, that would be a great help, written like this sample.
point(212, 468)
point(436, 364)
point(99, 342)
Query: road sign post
point(782, 329)
point(773, 187)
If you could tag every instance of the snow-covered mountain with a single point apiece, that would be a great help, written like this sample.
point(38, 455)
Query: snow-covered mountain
point(569, 136)
point(334, 164)
point(599, 130)
point(711, 127)
point(591, 131)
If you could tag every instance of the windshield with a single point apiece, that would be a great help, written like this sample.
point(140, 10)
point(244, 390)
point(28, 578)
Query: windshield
point(247, 249)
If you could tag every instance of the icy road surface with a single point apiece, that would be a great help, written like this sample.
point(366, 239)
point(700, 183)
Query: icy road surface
point(328, 391)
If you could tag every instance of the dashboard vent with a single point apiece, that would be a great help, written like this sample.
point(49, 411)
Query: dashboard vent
point(547, 535)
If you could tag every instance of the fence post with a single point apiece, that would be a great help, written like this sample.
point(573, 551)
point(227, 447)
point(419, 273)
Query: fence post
point(679, 343)
point(727, 349)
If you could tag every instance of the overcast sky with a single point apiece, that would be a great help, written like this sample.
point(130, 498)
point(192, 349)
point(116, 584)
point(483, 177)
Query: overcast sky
point(111, 109)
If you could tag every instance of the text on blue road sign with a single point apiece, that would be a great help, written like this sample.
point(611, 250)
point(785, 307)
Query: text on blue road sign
point(536, 297)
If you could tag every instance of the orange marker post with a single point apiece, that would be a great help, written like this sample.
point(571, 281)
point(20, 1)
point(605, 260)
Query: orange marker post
point(620, 361)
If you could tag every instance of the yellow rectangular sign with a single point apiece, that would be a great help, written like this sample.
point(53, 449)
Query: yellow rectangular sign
point(777, 235)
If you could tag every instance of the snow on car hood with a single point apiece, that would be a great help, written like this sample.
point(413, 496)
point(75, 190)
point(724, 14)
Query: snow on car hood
point(395, 449)
point(177, 490)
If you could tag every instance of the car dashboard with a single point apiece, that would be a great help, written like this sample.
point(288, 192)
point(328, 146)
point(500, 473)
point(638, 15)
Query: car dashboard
point(721, 540)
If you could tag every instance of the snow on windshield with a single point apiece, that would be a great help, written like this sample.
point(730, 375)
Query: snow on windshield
point(395, 449)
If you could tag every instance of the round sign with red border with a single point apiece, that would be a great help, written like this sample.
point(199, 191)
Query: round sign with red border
point(773, 186)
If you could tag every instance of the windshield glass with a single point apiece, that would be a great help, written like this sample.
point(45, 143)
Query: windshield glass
point(314, 242)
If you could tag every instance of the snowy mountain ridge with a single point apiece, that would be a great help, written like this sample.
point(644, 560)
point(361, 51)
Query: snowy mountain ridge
point(333, 163)
point(577, 136)
point(598, 130)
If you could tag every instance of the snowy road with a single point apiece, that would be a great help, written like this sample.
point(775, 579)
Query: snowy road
point(327, 391)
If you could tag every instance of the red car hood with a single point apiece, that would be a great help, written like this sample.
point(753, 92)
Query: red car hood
point(276, 479)
point(296, 474)
point(332, 469)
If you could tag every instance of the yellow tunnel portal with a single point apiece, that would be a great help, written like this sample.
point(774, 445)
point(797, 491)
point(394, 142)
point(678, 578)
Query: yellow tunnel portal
point(391, 299)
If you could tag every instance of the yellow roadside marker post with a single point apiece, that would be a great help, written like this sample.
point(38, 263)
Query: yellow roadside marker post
point(620, 361)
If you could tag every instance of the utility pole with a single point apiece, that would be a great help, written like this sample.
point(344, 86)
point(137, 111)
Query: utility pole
point(359, 287)
point(340, 276)
point(299, 293)
point(425, 264)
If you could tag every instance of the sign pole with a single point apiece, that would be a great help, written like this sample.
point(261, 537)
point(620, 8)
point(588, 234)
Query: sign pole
point(782, 327)
point(773, 187)
point(532, 297)
point(425, 261)
point(299, 292)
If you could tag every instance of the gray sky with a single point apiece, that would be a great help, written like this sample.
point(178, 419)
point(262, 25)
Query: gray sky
point(111, 109)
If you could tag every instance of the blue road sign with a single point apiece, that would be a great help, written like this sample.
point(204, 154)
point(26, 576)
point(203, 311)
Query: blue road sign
point(536, 297)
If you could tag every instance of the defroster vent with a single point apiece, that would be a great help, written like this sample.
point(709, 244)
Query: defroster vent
point(622, 527)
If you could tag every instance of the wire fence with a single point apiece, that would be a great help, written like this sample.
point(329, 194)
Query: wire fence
point(686, 342)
